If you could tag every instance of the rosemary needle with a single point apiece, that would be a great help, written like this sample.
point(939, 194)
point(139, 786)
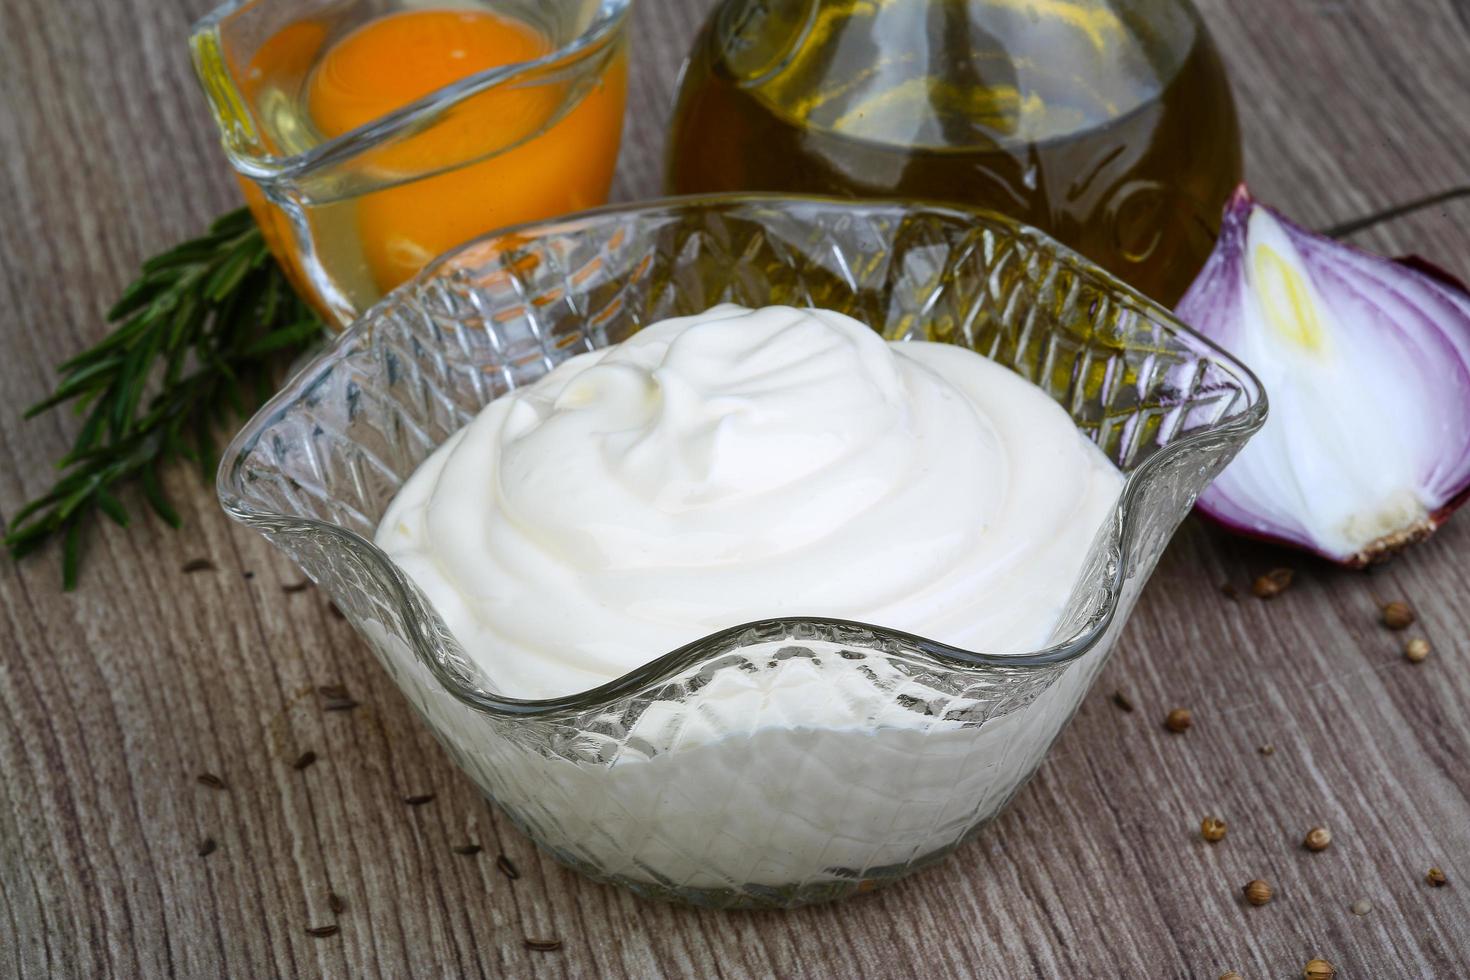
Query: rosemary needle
point(198, 337)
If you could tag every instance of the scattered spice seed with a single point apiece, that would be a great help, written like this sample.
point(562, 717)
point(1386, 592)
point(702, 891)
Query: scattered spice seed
point(248, 575)
point(1416, 650)
point(1317, 839)
point(336, 613)
point(303, 760)
point(1436, 878)
point(1273, 583)
point(1231, 975)
point(1398, 615)
point(1257, 892)
point(211, 780)
point(419, 799)
point(336, 903)
point(1178, 720)
point(543, 945)
point(198, 565)
point(467, 849)
point(1361, 907)
point(321, 932)
point(1121, 700)
point(336, 698)
point(507, 867)
point(301, 586)
point(1233, 594)
point(207, 847)
point(1318, 970)
point(1212, 829)
point(1267, 750)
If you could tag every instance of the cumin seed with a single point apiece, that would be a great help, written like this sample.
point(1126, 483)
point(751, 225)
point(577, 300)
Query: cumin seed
point(335, 698)
point(507, 867)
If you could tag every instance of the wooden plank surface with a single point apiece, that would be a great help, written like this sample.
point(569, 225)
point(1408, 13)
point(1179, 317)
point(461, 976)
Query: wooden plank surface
point(113, 698)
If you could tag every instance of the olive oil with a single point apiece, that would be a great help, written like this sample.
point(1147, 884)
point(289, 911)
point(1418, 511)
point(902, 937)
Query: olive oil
point(1112, 129)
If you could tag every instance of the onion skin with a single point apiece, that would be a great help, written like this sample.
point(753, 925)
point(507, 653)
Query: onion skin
point(1312, 301)
point(1381, 550)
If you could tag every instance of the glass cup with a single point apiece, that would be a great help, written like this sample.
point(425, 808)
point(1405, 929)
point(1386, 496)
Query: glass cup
point(671, 780)
point(352, 213)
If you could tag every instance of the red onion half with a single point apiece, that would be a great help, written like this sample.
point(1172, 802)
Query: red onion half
point(1367, 365)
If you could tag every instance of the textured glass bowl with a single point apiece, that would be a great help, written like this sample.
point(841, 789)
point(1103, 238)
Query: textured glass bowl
point(650, 780)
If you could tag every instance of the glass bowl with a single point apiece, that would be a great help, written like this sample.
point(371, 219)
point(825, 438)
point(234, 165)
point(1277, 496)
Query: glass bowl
point(682, 779)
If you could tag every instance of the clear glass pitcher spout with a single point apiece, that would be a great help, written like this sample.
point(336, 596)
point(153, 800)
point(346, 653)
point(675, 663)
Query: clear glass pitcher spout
point(354, 201)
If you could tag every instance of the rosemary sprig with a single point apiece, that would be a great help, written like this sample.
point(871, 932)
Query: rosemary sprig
point(198, 338)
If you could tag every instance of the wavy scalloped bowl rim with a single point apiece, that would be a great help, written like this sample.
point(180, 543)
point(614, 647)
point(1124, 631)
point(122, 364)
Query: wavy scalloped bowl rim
point(666, 667)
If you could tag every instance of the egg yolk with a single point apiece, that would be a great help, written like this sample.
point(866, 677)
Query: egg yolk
point(441, 195)
point(389, 62)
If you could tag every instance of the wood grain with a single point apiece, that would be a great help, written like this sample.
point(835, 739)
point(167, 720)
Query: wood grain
point(116, 697)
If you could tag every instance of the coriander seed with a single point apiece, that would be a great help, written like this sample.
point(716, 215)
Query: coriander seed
point(1273, 583)
point(1361, 907)
point(1397, 615)
point(1436, 878)
point(1317, 839)
point(1178, 720)
point(1416, 650)
point(1318, 969)
point(1212, 829)
point(1257, 892)
point(1231, 975)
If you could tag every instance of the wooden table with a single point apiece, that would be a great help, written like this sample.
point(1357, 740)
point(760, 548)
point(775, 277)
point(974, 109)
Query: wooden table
point(115, 697)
